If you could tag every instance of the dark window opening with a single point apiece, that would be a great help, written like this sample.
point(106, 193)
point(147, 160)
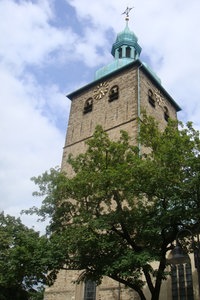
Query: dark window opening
point(166, 114)
point(182, 285)
point(128, 52)
point(90, 290)
point(88, 105)
point(113, 93)
point(151, 98)
point(120, 52)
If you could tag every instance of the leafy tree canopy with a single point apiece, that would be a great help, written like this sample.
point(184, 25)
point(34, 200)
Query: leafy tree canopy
point(22, 262)
point(128, 204)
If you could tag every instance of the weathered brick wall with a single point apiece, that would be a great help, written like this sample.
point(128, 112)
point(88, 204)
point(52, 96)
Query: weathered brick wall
point(113, 116)
point(161, 101)
point(65, 289)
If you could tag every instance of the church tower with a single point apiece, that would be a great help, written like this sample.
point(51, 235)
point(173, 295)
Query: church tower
point(115, 99)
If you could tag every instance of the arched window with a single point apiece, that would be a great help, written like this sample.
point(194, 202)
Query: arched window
point(113, 93)
point(166, 114)
point(88, 106)
point(90, 290)
point(120, 52)
point(151, 98)
point(128, 52)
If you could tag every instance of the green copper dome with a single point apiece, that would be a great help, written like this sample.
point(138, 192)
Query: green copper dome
point(126, 38)
point(126, 34)
point(125, 50)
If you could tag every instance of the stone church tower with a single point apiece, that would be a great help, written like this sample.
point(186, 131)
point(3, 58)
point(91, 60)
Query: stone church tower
point(115, 100)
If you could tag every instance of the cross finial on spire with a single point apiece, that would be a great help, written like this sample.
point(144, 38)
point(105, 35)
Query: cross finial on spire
point(126, 12)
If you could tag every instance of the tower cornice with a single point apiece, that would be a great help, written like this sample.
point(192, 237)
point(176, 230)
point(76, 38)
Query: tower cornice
point(135, 64)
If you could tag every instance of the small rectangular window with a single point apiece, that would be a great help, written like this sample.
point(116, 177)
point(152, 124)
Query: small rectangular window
point(114, 93)
point(88, 106)
point(151, 98)
point(182, 286)
point(90, 290)
point(152, 101)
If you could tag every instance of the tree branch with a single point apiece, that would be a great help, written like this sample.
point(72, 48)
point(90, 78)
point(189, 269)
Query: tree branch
point(131, 285)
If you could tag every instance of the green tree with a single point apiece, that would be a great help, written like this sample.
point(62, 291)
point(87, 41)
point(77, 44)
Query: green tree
point(128, 204)
point(23, 260)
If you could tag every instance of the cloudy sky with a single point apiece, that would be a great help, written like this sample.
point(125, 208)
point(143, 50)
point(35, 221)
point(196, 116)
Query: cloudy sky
point(49, 48)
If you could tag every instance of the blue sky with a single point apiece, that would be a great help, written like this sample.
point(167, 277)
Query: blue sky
point(49, 48)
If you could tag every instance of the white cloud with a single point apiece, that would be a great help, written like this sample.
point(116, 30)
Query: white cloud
point(31, 140)
point(174, 49)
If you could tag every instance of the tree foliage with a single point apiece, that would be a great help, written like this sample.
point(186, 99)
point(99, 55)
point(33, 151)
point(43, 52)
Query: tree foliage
point(123, 207)
point(22, 262)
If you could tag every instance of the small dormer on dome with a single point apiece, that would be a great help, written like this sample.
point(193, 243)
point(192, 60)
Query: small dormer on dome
point(126, 45)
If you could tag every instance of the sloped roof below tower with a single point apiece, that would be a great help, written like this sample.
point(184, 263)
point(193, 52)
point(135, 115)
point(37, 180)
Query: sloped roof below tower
point(111, 67)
